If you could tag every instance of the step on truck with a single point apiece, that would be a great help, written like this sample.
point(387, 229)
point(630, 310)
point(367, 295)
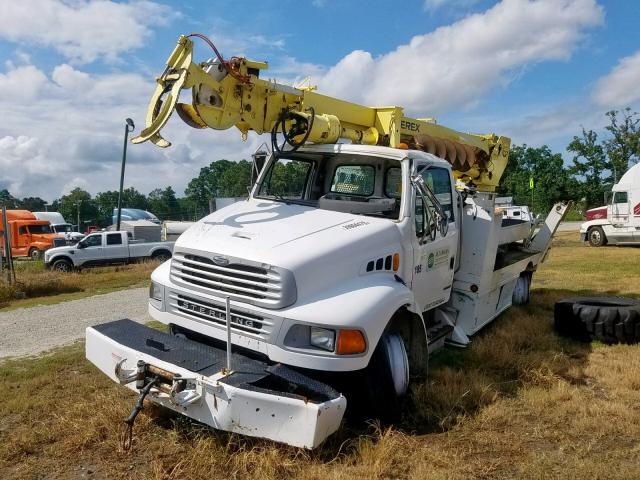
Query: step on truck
point(348, 266)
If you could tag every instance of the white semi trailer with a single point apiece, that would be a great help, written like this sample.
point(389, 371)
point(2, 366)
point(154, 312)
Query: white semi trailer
point(344, 270)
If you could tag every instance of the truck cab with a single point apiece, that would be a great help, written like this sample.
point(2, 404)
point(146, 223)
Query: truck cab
point(29, 236)
point(621, 225)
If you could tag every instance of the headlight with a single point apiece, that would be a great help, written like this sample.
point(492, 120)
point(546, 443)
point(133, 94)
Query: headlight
point(323, 338)
point(156, 295)
point(155, 291)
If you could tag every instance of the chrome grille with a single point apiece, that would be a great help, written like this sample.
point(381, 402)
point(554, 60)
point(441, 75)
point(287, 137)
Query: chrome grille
point(241, 322)
point(267, 287)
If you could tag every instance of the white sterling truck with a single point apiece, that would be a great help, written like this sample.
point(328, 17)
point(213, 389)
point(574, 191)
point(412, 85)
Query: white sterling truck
point(331, 285)
point(619, 221)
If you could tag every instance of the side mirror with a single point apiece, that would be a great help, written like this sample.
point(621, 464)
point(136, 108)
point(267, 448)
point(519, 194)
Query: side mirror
point(259, 159)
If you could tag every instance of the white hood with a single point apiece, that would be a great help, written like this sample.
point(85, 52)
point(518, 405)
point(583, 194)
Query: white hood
point(264, 230)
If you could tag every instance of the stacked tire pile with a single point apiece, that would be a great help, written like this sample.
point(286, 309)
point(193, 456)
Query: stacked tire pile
point(607, 319)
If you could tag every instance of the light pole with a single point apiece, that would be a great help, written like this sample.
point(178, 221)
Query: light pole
point(78, 205)
point(128, 127)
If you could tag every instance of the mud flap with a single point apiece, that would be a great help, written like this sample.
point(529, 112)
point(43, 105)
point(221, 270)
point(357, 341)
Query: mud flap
point(257, 398)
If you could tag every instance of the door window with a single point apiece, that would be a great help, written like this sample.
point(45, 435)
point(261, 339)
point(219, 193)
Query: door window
point(620, 197)
point(93, 241)
point(439, 182)
point(114, 239)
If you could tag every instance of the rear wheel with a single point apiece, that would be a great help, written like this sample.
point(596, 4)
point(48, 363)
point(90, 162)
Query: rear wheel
point(161, 256)
point(62, 265)
point(596, 237)
point(521, 292)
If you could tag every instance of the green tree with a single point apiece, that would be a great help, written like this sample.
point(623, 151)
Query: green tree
point(590, 168)
point(8, 200)
point(76, 202)
point(33, 204)
point(623, 146)
point(107, 201)
point(552, 182)
point(164, 204)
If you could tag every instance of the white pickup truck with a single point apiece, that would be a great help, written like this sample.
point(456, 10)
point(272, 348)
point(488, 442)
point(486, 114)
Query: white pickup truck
point(105, 248)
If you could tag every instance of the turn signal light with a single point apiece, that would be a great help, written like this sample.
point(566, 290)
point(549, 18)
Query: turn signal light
point(350, 342)
point(396, 262)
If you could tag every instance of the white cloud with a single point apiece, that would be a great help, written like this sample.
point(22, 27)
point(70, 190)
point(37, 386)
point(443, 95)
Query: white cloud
point(621, 87)
point(457, 64)
point(81, 30)
point(66, 130)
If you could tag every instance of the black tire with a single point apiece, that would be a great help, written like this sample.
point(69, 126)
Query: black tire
point(35, 254)
point(375, 395)
point(161, 255)
point(596, 237)
point(522, 290)
point(63, 265)
point(608, 319)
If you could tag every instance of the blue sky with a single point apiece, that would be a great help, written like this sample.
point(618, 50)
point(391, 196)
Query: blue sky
point(72, 70)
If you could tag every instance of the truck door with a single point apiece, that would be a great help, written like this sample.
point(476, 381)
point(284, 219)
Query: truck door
point(115, 250)
point(91, 252)
point(434, 260)
point(620, 208)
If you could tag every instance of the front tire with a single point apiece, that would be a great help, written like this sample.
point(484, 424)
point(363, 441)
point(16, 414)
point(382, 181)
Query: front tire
point(596, 237)
point(35, 254)
point(385, 381)
point(62, 265)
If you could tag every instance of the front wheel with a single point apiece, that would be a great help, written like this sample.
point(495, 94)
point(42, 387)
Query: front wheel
point(62, 265)
point(596, 237)
point(386, 380)
point(35, 254)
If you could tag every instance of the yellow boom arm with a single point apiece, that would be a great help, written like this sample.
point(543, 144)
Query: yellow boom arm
point(230, 93)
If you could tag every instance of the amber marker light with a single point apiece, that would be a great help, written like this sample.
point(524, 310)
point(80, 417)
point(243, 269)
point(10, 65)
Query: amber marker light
point(350, 342)
point(396, 262)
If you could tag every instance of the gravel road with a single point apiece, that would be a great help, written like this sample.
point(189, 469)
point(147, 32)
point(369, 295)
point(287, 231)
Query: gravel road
point(29, 331)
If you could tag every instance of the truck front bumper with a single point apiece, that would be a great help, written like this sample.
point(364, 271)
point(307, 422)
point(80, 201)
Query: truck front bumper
point(256, 399)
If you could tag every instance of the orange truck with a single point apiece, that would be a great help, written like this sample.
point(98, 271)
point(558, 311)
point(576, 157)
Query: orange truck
point(29, 236)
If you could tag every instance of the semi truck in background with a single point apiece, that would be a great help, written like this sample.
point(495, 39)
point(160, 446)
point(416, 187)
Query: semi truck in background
point(617, 223)
point(29, 236)
point(59, 225)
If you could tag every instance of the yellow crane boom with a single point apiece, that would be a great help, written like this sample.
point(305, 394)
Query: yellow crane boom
point(227, 93)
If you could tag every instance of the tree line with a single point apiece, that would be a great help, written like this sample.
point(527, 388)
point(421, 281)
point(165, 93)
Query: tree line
point(596, 164)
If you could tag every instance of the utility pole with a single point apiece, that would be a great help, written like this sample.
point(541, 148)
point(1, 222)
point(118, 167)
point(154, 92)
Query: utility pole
point(78, 202)
point(128, 127)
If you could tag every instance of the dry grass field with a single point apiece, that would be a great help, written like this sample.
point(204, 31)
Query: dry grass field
point(42, 286)
point(521, 402)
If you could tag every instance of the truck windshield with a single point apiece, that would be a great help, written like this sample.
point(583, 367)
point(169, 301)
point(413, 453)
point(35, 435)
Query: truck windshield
point(286, 180)
point(39, 229)
point(63, 228)
point(343, 182)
